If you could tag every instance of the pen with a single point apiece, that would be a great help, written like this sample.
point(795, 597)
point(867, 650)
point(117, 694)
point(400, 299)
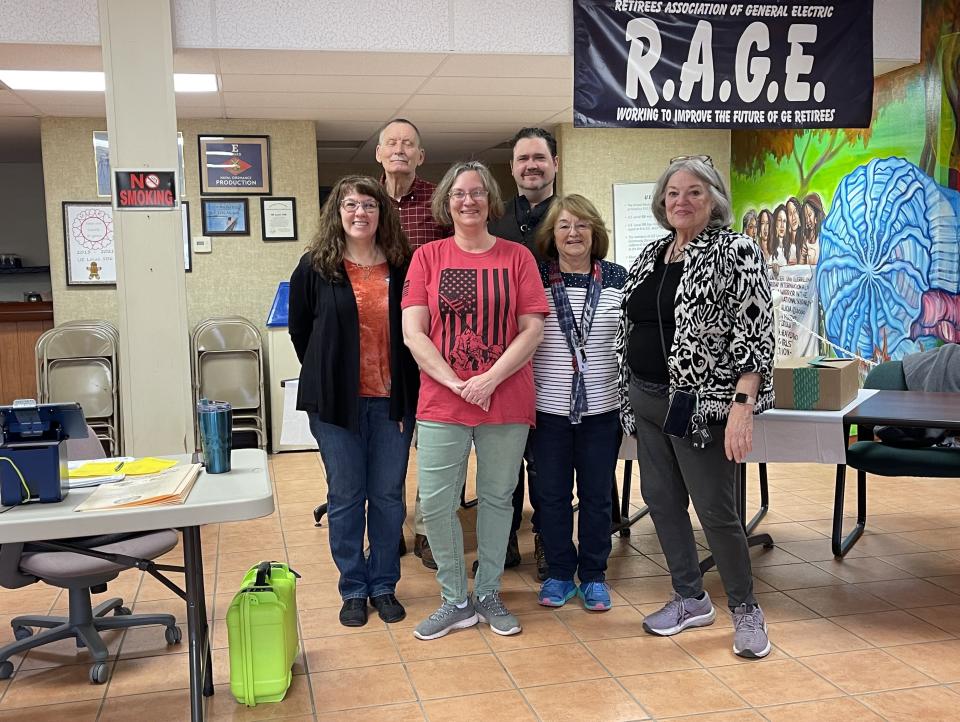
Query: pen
point(119, 466)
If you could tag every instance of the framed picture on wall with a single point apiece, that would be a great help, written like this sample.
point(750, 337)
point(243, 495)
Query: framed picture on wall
point(101, 155)
point(234, 165)
point(279, 218)
point(225, 217)
point(88, 243)
point(185, 226)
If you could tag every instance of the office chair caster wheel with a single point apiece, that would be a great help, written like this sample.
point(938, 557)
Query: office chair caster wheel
point(122, 612)
point(6, 669)
point(22, 633)
point(173, 635)
point(98, 673)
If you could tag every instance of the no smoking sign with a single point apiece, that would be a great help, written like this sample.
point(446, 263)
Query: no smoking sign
point(143, 190)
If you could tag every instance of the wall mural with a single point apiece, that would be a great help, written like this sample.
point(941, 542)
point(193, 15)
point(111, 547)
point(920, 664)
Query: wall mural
point(861, 227)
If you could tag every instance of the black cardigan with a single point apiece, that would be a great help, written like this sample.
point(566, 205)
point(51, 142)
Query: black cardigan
point(325, 329)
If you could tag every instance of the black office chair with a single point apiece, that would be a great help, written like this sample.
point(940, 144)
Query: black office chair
point(82, 574)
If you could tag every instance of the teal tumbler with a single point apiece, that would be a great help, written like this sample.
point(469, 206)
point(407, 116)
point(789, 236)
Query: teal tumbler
point(215, 419)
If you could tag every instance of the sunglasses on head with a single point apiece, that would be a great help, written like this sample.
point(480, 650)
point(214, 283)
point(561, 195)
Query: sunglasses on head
point(702, 158)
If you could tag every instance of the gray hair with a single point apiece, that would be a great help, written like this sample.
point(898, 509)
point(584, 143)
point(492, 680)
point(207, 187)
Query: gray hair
point(721, 214)
point(440, 203)
point(404, 121)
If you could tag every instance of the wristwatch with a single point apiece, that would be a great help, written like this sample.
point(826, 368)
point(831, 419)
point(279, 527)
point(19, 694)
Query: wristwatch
point(742, 398)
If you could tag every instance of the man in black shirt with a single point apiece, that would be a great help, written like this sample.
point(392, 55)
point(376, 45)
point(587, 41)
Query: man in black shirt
point(533, 163)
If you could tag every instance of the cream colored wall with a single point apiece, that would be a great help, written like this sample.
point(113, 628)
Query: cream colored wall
point(240, 276)
point(593, 159)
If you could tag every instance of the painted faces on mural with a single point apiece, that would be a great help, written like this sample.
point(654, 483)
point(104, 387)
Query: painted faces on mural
point(533, 168)
point(764, 230)
point(793, 216)
point(688, 203)
point(780, 224)
point(810, 228)
point(751, 227)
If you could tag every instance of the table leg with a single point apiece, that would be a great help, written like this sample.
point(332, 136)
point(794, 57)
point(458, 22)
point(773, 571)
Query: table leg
point(740, 489)
point(623, 521)
point(198, 636)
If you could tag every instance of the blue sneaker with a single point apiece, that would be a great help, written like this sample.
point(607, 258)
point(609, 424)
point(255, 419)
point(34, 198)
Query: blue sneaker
point(556, 592)
point(595, 596)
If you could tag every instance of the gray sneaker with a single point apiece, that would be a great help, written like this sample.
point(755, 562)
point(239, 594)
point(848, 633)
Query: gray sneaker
point(491, 610)
point(446, 619)
point(680, 613)
point(750, 632)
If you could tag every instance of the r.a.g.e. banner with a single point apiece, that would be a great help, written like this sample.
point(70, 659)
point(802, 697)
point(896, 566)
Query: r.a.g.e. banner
point(786, 64)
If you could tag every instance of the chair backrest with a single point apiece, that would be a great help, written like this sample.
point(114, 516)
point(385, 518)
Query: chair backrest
point(887, 376)
point(83, 448)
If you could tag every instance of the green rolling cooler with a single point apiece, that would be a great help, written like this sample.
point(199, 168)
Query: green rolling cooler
point(262, 634)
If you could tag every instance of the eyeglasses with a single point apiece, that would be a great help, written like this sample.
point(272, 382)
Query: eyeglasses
point(702, 158)
point(352, 206)
point(476, 194)
point(582, 226)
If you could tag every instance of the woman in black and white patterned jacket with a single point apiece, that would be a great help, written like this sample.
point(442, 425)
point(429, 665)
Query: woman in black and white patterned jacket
point(696, 338)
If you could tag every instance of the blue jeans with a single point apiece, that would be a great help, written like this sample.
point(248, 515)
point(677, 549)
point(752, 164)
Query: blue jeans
point(442, 453)
point(589, 448)
point(365, 475)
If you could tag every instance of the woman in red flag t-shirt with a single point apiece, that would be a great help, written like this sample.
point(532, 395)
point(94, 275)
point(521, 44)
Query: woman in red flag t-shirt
point(473, 309)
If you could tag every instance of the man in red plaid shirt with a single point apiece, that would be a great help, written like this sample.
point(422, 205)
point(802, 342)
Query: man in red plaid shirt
point(400, 153)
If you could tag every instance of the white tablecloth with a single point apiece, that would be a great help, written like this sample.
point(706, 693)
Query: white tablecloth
point(790, 436)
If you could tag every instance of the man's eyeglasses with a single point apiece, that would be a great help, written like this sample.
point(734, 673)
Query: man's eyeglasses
point(476, 194)
point(702, 158)
point(352, 206)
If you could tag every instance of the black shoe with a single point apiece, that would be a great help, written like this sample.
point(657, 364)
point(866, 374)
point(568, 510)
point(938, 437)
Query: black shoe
point(403, 545)
point(512, 559)
point(389, 609)
point(426, 555)
point(419, 540)
point(353, 613)
point(543, 569)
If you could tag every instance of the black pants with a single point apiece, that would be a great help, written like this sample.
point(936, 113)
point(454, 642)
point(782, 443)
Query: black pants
point(672, 474)
point(589, 449)
point(518, 493)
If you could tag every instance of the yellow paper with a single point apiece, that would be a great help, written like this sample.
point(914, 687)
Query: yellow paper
point(146, 465)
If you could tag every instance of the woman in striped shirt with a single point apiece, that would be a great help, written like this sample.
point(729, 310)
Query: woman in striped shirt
point(575, 372)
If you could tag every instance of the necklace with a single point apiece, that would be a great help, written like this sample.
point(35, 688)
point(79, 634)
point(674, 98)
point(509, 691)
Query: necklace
point(675, 254)
point(367, 268)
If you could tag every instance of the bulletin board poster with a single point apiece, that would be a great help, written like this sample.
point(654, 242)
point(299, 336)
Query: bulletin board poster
point(784, 64)
point(88, 239)
point(799, 310)
point(633, 223)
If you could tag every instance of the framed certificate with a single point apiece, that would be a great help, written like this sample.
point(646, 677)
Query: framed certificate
point(279, 217)
point(88, 241)
point(234, 165)
point(225, 217)
point(185, 227)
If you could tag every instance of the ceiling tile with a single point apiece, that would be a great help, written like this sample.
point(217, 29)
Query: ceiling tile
point(315, 62)
point(342, 101)
point(518, 116)
point(551, 104)
point(194, 60)
point(487, 66)
point(321, 83)
point(51, 57)
point(507, 85)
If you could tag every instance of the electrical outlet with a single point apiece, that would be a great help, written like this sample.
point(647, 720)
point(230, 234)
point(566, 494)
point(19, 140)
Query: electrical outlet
point(202, 244)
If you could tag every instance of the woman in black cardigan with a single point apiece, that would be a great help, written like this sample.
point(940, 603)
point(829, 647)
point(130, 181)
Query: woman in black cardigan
point(358, 385)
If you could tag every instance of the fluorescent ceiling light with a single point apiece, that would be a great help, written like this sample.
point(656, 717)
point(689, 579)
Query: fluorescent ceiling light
point(52, 80)
point(195, 82)
point(83, 81)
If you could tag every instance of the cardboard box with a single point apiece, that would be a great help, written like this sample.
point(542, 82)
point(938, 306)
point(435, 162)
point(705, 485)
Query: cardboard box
point(815, 382)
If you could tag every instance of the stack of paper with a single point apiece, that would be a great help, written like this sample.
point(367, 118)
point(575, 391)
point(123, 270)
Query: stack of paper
point(167, 487)
point(80, 480)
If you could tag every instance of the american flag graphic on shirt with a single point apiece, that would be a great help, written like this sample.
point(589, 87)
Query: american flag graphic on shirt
point(474, 306)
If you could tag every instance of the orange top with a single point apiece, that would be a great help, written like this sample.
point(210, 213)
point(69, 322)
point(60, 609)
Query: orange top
point(370, 286)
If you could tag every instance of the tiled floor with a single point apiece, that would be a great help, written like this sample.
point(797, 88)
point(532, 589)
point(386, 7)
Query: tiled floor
point(876, 636)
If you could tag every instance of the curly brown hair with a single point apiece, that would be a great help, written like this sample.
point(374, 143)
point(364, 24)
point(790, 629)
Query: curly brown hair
point(326, 248)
